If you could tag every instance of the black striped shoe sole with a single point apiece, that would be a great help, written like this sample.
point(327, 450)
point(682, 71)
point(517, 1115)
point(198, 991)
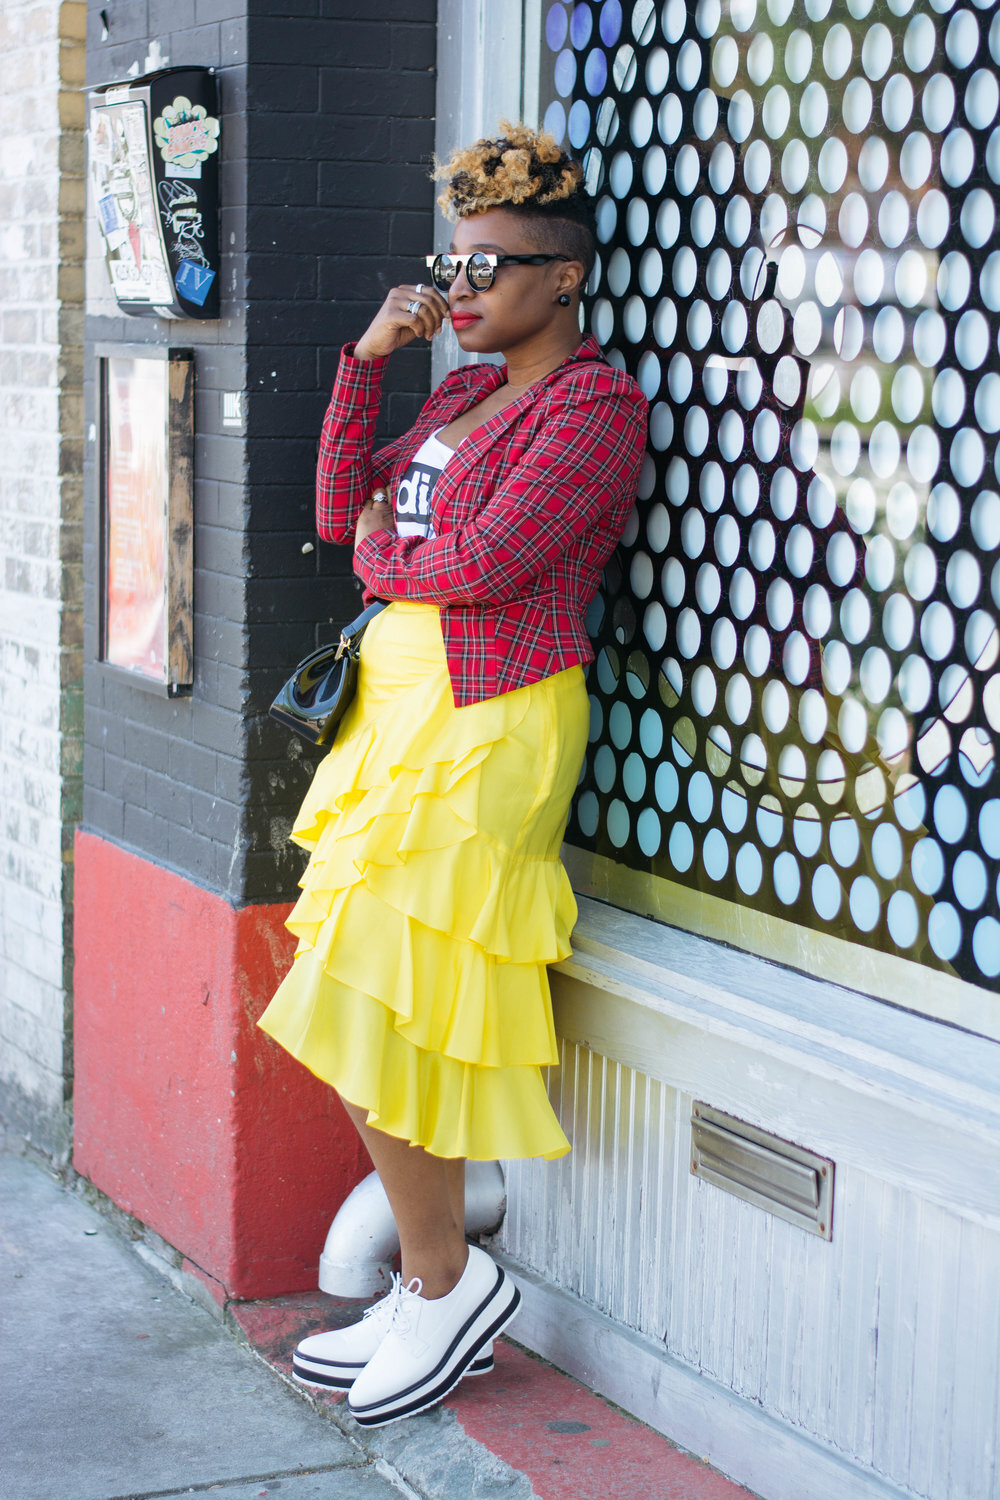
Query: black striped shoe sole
point(481, 1365)
point(445, 1378)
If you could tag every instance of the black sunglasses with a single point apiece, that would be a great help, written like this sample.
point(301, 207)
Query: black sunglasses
point(480, 268)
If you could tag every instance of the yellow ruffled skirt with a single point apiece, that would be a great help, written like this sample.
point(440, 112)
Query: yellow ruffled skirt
point(434, 899)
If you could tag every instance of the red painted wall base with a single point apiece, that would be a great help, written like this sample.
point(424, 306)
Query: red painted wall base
point(186, 1114)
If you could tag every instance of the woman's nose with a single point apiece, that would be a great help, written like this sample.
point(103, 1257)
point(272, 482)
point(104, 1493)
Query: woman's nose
point(461, 286)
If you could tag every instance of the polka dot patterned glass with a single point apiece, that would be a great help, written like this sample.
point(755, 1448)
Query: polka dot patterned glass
point(796, 699)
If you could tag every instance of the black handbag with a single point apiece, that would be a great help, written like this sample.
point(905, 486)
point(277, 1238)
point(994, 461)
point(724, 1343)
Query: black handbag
point(320, 690)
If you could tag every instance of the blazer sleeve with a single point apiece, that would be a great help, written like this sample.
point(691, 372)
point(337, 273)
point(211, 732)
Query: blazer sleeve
point(347, 471)
point(582, 467)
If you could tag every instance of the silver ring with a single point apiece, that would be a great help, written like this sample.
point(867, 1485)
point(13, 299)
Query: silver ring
point(412, 307)
point(419, 288)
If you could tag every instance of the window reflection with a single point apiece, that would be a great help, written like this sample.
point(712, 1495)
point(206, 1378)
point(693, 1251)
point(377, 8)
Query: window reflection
point(796, 701)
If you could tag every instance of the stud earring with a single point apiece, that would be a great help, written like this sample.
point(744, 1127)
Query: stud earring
point(565, 299)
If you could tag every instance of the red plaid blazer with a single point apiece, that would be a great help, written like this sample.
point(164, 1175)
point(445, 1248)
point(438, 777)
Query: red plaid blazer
point(526, 514)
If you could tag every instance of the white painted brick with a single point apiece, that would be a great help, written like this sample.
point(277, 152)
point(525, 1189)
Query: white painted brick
point(32, 1013)
point(32, 837)
point(34, 859)
point(33, 453)
point(38, 970)
point(28, 742)
point(40, 432)
point(40, 1080)
point(25, 700)
point(33, 409)
point(39, 918)
point(26, 788)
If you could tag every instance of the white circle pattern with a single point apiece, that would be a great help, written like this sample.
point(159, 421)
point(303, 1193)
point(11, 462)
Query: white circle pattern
point(796, 702)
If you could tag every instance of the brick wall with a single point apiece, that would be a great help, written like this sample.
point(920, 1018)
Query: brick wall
point(341, 131)
point(327, 123)
point(164, 776)
point(41, 293)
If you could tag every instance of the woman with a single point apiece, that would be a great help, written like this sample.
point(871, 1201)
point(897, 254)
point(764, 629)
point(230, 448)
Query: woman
point(434, 897)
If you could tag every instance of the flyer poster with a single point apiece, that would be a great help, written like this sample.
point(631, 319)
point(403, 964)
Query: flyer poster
point(136, 516)
point(126, 206)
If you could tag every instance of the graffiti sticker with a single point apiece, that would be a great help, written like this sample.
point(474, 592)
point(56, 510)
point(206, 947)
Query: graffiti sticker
point(186, 135)
point(193, 281)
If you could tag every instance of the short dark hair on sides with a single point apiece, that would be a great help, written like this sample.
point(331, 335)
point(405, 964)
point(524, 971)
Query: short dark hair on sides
point(567, 227)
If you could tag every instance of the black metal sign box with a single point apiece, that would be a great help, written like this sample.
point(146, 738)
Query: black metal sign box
point(153, 146)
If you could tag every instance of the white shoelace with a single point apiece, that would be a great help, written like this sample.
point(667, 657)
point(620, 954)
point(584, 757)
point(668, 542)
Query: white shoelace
point(394, 1309)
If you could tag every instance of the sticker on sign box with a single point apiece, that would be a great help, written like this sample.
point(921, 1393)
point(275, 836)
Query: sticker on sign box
point(186, 133)
point(110, 217)
point(193, 282)
point(101, 140)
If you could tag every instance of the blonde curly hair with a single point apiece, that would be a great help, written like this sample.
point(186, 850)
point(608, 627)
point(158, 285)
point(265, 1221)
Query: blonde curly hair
point(517, 167)
point(527, 173)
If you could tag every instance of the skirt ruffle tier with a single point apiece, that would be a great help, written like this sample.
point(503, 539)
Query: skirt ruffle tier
point(433, 900)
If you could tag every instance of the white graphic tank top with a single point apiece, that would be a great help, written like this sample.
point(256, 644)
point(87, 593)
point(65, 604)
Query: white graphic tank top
point(412, 500)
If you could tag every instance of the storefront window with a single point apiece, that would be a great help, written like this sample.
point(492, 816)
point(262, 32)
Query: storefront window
point(796, 701)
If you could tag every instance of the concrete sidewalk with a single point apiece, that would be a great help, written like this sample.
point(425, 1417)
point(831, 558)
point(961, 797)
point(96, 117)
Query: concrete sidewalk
point(116, 1386)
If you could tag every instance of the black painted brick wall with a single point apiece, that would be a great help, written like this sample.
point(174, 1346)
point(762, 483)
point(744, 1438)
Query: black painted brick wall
point(326, 138)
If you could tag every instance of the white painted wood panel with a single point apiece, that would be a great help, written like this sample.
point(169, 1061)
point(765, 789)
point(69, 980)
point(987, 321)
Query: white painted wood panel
point(881, 1347)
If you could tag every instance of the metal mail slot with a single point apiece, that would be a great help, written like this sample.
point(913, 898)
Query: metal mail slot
point(760, 1168)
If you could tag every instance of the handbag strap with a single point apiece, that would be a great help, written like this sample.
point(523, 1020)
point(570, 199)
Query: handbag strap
point(357, 626)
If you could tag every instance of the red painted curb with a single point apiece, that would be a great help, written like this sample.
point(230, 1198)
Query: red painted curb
point(215, 1289)
point(570, 1443)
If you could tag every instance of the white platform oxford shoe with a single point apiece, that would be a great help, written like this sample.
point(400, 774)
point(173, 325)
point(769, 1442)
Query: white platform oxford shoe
point(333, 1361)
point(431, 1343)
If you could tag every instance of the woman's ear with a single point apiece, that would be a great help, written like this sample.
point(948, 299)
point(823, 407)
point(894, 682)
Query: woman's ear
point(572, 278)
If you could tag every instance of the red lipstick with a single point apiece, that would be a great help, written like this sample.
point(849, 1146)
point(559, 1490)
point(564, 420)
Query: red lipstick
point(464, 319)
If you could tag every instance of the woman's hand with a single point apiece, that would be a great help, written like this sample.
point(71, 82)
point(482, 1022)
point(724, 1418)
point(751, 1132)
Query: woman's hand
point(408, 313)
point(376, 516)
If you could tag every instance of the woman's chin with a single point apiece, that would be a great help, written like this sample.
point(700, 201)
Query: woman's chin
point(470, 335)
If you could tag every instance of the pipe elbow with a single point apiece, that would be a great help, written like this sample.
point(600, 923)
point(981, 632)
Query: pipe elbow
point(357, 1259)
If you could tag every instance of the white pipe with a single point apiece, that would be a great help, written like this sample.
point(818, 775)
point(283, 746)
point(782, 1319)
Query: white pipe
point(358, 1254)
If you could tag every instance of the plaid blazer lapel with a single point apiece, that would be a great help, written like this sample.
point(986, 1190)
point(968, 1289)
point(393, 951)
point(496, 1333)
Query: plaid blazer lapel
point(458, 494)
point(446, 403)
point(453, 489)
